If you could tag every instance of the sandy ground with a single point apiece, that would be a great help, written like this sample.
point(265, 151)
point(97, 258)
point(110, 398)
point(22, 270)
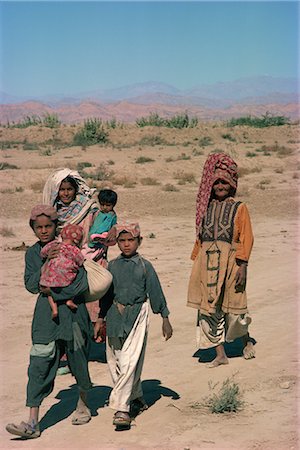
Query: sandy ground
point(175, 376)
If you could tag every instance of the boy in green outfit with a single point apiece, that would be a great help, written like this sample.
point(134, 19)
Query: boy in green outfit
point(127, 318)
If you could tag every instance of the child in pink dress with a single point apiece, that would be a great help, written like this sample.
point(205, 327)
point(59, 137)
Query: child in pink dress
point(62, 270)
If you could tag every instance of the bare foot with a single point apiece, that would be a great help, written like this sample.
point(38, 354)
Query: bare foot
point(249, 351)
point(217, 362)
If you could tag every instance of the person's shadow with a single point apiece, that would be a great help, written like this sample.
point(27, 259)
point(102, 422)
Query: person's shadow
point(153, 391)
point(97, 398)
point(232, 349)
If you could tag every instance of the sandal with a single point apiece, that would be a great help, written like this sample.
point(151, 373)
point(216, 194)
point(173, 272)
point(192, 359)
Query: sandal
point(121, 419)
point(24, 430)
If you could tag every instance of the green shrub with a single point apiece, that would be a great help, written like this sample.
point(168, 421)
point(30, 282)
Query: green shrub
point(170, 188)
point(205, 141)
point(153, 120)
point(4, 166)
point(30, 146)
point(91, 133)
point(152, 140)
point(177, 121)
point(149, 181)
point(228, 399)
point(266, 120)
point(229, 137)
point(51, 120)
point(143, 160)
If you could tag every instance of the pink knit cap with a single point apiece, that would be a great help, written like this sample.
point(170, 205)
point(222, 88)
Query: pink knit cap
point(72, 232)
point(128, 227)
point(43, 210)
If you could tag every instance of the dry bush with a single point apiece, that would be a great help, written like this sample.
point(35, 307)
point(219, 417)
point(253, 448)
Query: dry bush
point(6, 232)
point(7, 191)
point(279, 170)
point(5, 166)
point(184, 177)
point(37, 186)
point(149, 181)
point(247, 170)
point(170, 188)
point(123, 180)
point(143, 160)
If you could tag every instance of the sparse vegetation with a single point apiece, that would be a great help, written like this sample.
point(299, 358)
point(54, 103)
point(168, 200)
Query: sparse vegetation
point(5, 166)
point(184, 177)
point(6, 232)
point(91, 133)
point(149, 181)
point(229, 137)
point(177, 121)
point(152, 140)
point(205, 141)
point(170, 188)
point(247, 170)
point(227, 399)
point(143, 160)
point(267, 120)
point(281, 150)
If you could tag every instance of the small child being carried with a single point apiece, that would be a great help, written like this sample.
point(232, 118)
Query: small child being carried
point(104, 221)
point(62, 270)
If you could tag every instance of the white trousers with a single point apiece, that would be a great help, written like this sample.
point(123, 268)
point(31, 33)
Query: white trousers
point(125, 360)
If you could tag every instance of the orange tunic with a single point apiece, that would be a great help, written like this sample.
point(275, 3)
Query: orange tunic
point(226, 237)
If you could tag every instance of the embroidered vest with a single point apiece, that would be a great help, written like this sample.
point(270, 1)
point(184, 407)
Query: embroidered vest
point(218, 221)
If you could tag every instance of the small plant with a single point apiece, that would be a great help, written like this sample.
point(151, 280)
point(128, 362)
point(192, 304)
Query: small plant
point(251, 154)
point(205, 141)
point(184, 177)
point(228, 399)
point(148, 181)
point(197, 152)
point(37, 186)
point(247, 170)
point(152, 140)
point(19, 189)
point(110, 162)
point(4, 166)
point(91, 133)
point(6, 232)
point(51, 120)
point(153, 120)
point(170, 188)
point(178, 121)
point(151, 236)
point(102, 173)
point(229, 137)
point(82, 165)
point(30, 146)
point(183, 157)
point(143, 160)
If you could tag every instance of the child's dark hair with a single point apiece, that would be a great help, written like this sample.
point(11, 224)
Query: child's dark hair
point(107, 196)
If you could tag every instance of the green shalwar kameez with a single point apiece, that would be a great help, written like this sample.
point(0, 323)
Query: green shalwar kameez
point(71, 331)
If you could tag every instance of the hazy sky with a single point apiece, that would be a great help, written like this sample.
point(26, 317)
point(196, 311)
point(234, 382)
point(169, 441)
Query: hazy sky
point(69, 47)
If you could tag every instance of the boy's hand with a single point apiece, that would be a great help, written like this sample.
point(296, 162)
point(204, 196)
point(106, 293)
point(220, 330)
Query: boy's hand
point(99, 330)
point(45, 290)
point(167, 329)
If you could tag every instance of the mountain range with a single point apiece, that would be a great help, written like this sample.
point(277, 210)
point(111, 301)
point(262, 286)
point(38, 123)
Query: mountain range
point(253, 95)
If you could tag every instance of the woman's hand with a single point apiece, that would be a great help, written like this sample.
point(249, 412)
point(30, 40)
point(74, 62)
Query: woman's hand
point(241, 276)
point(167, 329)
point(111, 236)
point(54, 251)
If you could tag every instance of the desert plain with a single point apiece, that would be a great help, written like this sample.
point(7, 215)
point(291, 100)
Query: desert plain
point(156, 173)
